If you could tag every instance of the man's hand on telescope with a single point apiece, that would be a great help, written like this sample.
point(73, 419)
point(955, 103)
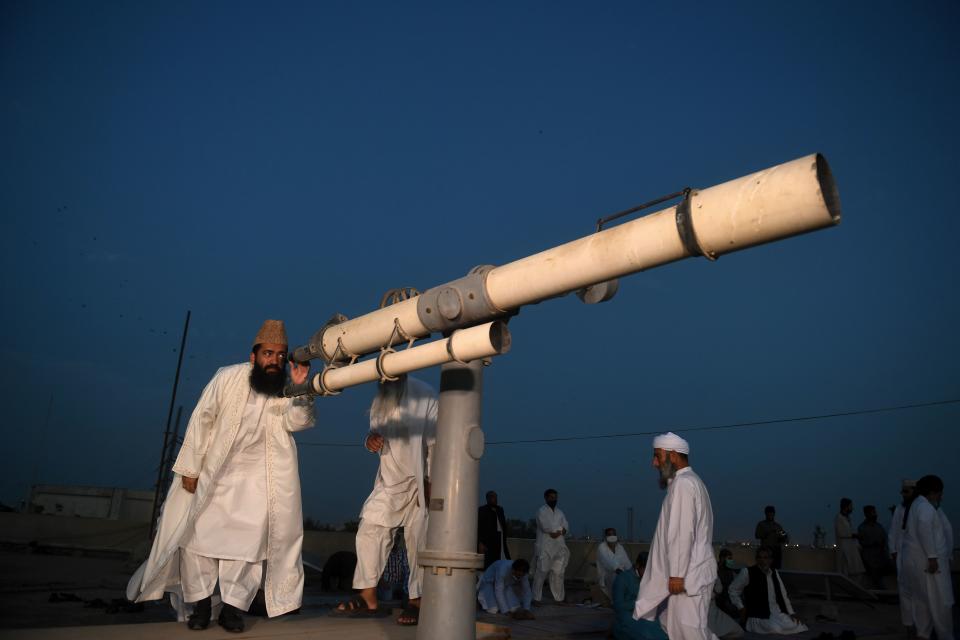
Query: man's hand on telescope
point(190, 484)
point(374, 442)
point(299, 372)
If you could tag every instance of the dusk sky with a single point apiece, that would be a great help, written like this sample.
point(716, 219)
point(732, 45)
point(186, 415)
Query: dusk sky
point(290, 160)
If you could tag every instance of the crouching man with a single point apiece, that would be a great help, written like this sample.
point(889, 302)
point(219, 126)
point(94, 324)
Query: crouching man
point(505, 588)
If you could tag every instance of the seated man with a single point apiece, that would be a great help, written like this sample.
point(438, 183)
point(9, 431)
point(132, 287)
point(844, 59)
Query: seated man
point(611, 560)
point(624, 597)
point(759, 595)
point(504, 588)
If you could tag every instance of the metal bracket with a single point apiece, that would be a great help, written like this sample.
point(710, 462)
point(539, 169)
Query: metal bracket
point(320, 388)
point(460, 303)
point(685, 228)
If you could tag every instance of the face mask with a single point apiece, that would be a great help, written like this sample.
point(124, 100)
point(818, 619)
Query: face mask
point(728, 563)
point(611, 539)
point(552, 504)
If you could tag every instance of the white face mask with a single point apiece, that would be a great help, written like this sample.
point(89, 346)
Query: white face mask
point(611, 539)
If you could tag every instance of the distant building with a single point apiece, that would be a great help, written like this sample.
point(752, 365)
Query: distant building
point(112, 503)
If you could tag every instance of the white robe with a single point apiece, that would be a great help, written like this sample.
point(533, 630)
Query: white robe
point(207, 443)
point(550, 555)
point(398, 496)
point(682, 547)
point(929, 535)
point(779, 621)
point(849, 562)
point(895, 544)
point(607, 564)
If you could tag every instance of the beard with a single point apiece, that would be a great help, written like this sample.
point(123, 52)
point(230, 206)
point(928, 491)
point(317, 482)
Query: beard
point(667, 471)
point(268, 382)
point(387, 401)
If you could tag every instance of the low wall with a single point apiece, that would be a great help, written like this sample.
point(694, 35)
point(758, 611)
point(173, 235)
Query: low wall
point(583, 553)
point(75, 533)
point(126, 536)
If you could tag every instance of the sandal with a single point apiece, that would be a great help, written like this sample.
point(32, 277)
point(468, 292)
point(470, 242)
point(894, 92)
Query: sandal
point(410, 616)
point(356, 607)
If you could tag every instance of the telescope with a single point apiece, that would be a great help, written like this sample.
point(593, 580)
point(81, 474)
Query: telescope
point(785, 200)
point(470, 315)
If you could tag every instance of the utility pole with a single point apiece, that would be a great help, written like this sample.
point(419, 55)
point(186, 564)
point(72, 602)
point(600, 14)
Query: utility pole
point(166, 432)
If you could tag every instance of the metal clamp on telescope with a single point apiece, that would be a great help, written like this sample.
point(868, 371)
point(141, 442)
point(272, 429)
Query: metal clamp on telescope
point(460, 303)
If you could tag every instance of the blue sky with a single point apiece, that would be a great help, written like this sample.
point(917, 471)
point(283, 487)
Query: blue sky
point(252, 160)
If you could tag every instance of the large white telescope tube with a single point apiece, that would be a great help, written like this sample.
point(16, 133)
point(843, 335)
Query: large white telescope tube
point(786, 200)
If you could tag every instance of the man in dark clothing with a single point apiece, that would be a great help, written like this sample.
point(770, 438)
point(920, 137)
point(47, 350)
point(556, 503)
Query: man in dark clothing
point(772, 535)
point(759, 594)
point(492, 531)
point(873, 546)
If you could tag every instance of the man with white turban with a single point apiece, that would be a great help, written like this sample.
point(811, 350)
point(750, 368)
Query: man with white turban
point(403, 428)
point(681, 569)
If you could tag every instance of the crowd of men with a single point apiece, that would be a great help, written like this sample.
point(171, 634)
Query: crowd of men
point(233, 518)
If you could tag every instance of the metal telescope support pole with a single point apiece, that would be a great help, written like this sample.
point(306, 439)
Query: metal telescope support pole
point(450, 561)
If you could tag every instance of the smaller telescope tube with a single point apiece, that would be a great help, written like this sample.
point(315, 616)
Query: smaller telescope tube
point(481, 341)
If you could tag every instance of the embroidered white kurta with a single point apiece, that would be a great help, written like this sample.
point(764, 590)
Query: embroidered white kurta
point(607, 564)
point(208, 442)
point(682, 547)
point(849, 562)
point(233, 525)
point(779, 621)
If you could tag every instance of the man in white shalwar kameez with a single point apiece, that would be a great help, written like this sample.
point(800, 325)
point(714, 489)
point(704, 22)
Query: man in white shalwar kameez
point(927, 550)
point(681, 570)
point(761, 597)
point(233, 513)
point(611, 559)
point(403, 427)
point(550, 553)
point(894, 543)
point(849, 562)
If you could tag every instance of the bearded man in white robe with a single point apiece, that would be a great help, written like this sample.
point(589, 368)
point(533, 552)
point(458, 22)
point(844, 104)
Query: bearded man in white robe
point(849, 562)
point(927, 549)
point(681, 570)
point(403, 428)
point(233, 513)
point(550, 552)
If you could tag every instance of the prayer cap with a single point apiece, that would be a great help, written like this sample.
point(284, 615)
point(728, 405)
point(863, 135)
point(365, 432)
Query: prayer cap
point(909, 483)
point(670, 441)
point(272, 332)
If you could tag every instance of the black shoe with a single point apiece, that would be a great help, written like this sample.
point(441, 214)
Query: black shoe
point(200, 618)
point(230, 618)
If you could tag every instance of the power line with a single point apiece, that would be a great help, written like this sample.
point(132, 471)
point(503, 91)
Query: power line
point(732, 425)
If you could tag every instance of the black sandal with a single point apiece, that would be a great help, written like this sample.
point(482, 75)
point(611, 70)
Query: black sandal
point(356, 607)
point(412, 613)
